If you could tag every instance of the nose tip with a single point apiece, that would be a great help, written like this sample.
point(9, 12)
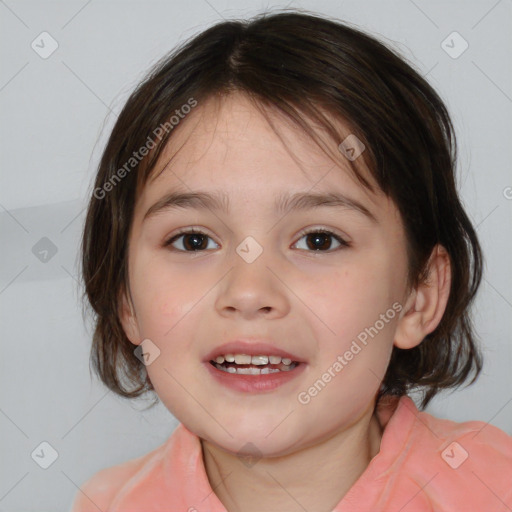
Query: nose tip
point(251, 289)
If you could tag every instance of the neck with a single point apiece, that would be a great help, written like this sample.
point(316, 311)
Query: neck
point(313, 478)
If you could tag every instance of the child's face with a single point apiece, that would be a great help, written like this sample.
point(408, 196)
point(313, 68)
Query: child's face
point(310, 303)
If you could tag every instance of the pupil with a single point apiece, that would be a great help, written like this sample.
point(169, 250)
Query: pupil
point(323, 238)
point(198, 241)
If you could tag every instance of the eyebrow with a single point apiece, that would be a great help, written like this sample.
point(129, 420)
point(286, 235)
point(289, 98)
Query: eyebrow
point(219, 201)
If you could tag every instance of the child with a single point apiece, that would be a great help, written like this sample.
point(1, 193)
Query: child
point(275, 246)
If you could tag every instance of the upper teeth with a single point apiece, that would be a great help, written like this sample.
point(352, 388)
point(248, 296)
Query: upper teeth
point(247, 359)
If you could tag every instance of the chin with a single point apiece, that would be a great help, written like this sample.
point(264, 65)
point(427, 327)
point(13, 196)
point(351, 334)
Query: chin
point(252, 442)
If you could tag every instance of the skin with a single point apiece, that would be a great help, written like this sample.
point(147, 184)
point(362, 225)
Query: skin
point(308, 302)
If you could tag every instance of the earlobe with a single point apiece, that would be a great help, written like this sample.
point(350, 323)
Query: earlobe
point(128, 319)
point(426, 304)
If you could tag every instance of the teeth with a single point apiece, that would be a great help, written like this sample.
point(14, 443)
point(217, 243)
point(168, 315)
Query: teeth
point(259, 360)
point(242, 359)
point(248, 371)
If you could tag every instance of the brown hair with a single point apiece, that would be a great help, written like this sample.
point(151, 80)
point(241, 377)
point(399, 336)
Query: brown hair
point(301, 65)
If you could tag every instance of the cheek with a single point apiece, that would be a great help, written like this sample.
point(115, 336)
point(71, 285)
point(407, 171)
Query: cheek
point(349, 300)
point(355, 340)
point(163, 296)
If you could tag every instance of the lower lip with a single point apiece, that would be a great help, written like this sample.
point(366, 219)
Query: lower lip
point(254, 383)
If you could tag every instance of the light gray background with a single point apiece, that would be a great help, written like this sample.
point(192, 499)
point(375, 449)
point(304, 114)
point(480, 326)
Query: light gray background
point(53, 111)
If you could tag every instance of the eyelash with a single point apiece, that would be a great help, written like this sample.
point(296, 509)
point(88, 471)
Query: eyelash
point(343, 243)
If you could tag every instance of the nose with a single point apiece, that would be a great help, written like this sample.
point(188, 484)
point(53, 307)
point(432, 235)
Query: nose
point(252, 290)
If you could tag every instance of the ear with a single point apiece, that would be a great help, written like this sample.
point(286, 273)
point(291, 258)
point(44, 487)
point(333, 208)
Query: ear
point(425, 304)
point(128, 319)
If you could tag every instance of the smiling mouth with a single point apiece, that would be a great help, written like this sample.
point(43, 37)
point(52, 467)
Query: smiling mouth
point(258, 365)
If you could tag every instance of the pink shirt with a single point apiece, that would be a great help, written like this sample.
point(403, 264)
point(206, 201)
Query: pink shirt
point(424, 464)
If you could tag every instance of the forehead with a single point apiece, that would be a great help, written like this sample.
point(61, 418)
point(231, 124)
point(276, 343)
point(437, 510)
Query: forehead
point(228, 143)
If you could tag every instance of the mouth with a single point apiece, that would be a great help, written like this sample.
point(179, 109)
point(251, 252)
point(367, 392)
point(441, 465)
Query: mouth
point(244, 373)
point(245, 364)
point(253, 367)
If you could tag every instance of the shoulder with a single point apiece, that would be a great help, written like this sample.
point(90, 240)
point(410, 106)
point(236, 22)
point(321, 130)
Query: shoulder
point(481, 438)
point(145, 483)
point(466, 463)
point(100, 490)
point(422, 428)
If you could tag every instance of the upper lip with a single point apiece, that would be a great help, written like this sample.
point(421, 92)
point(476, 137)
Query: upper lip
point(251, 348)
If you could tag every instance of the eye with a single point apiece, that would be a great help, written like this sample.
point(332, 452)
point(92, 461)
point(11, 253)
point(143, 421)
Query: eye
point(192, 241)
point(320, 240)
